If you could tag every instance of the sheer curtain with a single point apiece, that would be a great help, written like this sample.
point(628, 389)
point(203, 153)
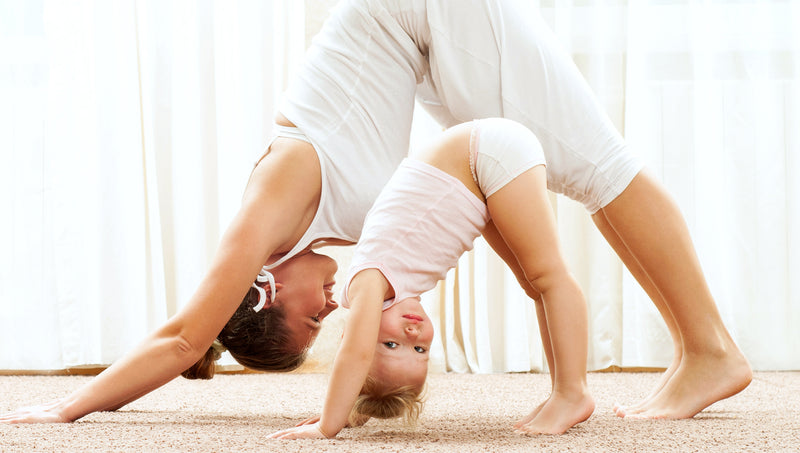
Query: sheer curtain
point(714, 106)
point(708, 93)
point(128, 130)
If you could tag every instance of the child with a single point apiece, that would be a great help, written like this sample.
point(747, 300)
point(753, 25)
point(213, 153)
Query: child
point(486, 177)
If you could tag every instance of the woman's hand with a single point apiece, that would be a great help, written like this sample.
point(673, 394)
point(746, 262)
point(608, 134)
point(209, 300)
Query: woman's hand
point(308, 431)
point(44, 413)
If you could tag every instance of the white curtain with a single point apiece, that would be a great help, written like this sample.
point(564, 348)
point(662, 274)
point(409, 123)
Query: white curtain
point(128, 129)
point(708, 93)
point(127, 132)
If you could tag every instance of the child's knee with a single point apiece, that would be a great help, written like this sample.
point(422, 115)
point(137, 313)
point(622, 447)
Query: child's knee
point(542, 278)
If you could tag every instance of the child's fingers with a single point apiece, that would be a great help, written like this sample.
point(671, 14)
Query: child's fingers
point(300, 432)
point(278, 434)
point(309, 421)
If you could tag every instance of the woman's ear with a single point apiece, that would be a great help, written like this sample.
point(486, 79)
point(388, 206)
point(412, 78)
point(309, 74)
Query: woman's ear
point(270, 302)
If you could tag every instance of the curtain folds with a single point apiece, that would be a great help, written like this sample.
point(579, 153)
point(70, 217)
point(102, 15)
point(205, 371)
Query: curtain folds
point(128, 130)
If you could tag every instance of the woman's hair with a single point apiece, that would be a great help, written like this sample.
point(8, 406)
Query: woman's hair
point(379, 400)
point(258, 340)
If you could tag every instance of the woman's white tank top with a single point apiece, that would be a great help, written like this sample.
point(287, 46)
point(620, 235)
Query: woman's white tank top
point(353, 99)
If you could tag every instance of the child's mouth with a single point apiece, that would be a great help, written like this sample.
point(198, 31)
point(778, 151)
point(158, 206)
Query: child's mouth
point(416, 318)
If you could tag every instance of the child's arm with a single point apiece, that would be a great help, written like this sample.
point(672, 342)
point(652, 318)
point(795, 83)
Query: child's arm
point(366, 292)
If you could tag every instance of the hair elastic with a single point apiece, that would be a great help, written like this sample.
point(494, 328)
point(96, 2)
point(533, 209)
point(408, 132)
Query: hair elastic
point(264, 276)
point(219, 347)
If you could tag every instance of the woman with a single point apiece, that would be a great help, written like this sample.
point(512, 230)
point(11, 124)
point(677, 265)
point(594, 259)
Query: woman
point(352, 102)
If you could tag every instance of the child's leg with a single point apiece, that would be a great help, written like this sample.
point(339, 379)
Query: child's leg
point(495, 240)
point(544, 334)
point(507, 169)
point(522, 213)
point(506, 165)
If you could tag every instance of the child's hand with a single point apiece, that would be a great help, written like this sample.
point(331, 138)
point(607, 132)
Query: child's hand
point(311, 431)
point(359, 421)
point(309, 421)
point(44, 413)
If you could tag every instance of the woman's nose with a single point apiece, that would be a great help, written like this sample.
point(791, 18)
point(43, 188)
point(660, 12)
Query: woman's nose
point(329, 307)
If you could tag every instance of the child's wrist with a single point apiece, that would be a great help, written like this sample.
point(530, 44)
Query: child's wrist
point(319, 428)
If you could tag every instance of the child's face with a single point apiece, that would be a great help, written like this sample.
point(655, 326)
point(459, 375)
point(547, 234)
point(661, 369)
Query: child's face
point(305, 292)
point(404, 342)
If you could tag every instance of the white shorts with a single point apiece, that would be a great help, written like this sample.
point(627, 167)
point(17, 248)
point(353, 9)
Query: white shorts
point(499, 151)
point(497, 58)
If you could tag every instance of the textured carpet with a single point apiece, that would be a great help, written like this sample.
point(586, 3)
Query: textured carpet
point(464, 413)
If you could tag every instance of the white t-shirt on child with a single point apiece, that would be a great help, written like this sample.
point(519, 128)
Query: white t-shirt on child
point(421, 223)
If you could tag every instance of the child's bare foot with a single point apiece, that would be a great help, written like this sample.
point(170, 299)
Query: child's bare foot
point(558, 414)
point(621, 410)
point(699, 381)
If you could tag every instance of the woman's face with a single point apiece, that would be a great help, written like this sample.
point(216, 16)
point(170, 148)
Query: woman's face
point(305, 293)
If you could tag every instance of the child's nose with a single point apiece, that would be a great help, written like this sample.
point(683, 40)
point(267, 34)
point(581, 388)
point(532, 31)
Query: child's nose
point(411, 330)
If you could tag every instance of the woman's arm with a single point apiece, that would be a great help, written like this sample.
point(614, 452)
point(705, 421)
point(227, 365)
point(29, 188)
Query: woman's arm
point(366, 292)
point(280, 200)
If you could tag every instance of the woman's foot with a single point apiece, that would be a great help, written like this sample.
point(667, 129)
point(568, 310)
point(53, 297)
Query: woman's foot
point(621, 410)
point(699, 381)
point(531, 416)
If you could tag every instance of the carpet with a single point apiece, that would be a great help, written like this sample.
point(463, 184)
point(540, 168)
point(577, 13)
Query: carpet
point(463, 413)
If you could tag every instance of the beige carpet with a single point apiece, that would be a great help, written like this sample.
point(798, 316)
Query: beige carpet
point(464, 413)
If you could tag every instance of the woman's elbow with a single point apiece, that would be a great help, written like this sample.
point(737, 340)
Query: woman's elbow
point(185, 349)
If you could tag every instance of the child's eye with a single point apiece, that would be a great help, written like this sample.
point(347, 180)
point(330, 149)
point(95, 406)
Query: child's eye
point(390, 344)
point(419, 349)
point(315, 319)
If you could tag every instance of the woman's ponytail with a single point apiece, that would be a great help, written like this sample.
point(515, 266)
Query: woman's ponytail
point(205, 367)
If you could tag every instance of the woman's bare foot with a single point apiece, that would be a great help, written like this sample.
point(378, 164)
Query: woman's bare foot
point(662, 382)
point(531, 416)
point(699, 381)
point(558, 414)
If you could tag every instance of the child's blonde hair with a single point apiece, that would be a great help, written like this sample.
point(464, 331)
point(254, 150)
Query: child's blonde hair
point(380, 400)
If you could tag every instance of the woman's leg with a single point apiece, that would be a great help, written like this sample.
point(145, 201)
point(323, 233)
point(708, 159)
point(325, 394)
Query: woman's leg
point(650, 288)
point(649, 225)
